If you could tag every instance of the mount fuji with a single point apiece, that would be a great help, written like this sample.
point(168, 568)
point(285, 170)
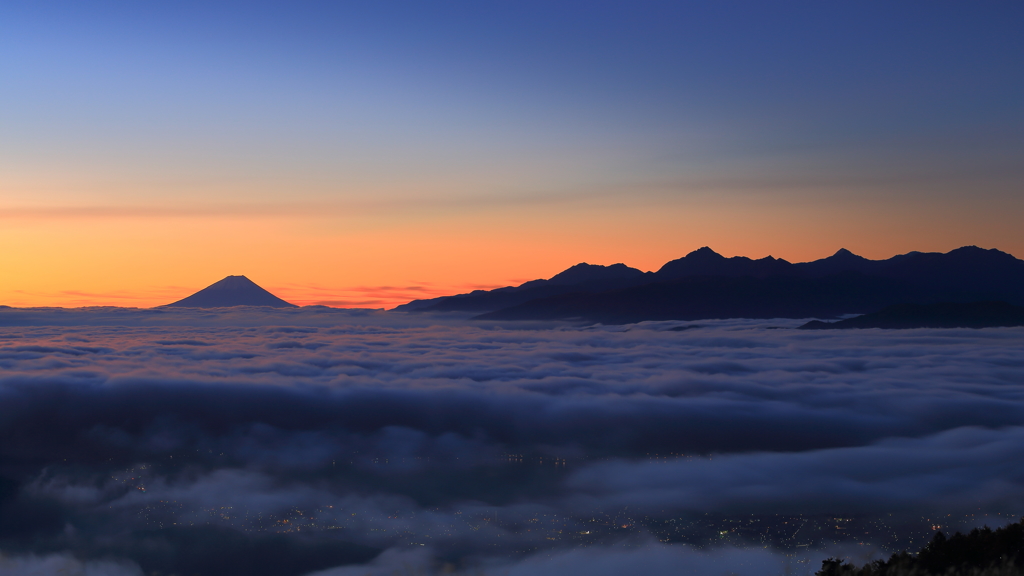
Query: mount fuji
point(232, 291)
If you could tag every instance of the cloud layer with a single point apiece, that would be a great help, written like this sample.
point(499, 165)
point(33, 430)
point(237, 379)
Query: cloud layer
point(341, 436)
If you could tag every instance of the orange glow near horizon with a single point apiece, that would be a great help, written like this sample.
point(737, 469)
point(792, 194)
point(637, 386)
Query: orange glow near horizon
point(381, 260)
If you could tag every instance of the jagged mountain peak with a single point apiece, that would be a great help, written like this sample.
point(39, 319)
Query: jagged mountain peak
point(844, 255)
point(706, 262)
point(584, 272)
point(705, 252)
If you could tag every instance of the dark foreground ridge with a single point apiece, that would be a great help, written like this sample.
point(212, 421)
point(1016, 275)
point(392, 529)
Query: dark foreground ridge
point(232, 291)
point(982, 552)
point(942, 315)
point(705, 284)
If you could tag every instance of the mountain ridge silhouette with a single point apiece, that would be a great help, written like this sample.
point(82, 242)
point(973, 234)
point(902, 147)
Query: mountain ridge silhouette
point(704, 284)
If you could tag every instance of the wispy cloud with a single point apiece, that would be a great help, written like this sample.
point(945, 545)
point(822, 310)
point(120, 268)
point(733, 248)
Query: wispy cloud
point(370, 296)
point(134, 212)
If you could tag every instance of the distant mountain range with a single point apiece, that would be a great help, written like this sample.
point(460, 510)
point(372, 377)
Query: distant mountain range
point(232, 291)
point(704, 284)
point(941, 315)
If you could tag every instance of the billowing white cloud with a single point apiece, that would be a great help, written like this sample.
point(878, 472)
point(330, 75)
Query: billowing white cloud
point(960, 470)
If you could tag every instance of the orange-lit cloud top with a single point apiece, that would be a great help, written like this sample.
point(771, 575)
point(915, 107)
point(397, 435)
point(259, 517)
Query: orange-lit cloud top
point(352, 157)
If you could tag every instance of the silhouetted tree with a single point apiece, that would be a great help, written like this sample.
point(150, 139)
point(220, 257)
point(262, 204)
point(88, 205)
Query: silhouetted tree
point(981, 552)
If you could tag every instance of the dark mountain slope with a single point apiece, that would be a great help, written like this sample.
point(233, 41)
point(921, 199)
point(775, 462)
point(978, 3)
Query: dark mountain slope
point(715, 297)
point(941, 315)
point(579, 278)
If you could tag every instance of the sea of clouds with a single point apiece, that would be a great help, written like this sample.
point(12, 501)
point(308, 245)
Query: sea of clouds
point(319, 441)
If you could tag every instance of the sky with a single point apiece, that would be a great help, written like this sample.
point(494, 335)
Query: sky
point(365, 154)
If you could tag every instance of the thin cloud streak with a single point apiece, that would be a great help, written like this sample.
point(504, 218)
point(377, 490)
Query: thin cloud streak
point(371, 296)
point(753, 179)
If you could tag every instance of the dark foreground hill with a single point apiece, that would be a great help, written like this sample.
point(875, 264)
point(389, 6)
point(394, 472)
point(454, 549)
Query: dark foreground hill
point(942, 315)
point(982, 552)
point(704, 284)
point(232, 291)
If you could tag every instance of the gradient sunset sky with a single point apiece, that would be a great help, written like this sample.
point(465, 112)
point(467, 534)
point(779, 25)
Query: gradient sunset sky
point(364, 154)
